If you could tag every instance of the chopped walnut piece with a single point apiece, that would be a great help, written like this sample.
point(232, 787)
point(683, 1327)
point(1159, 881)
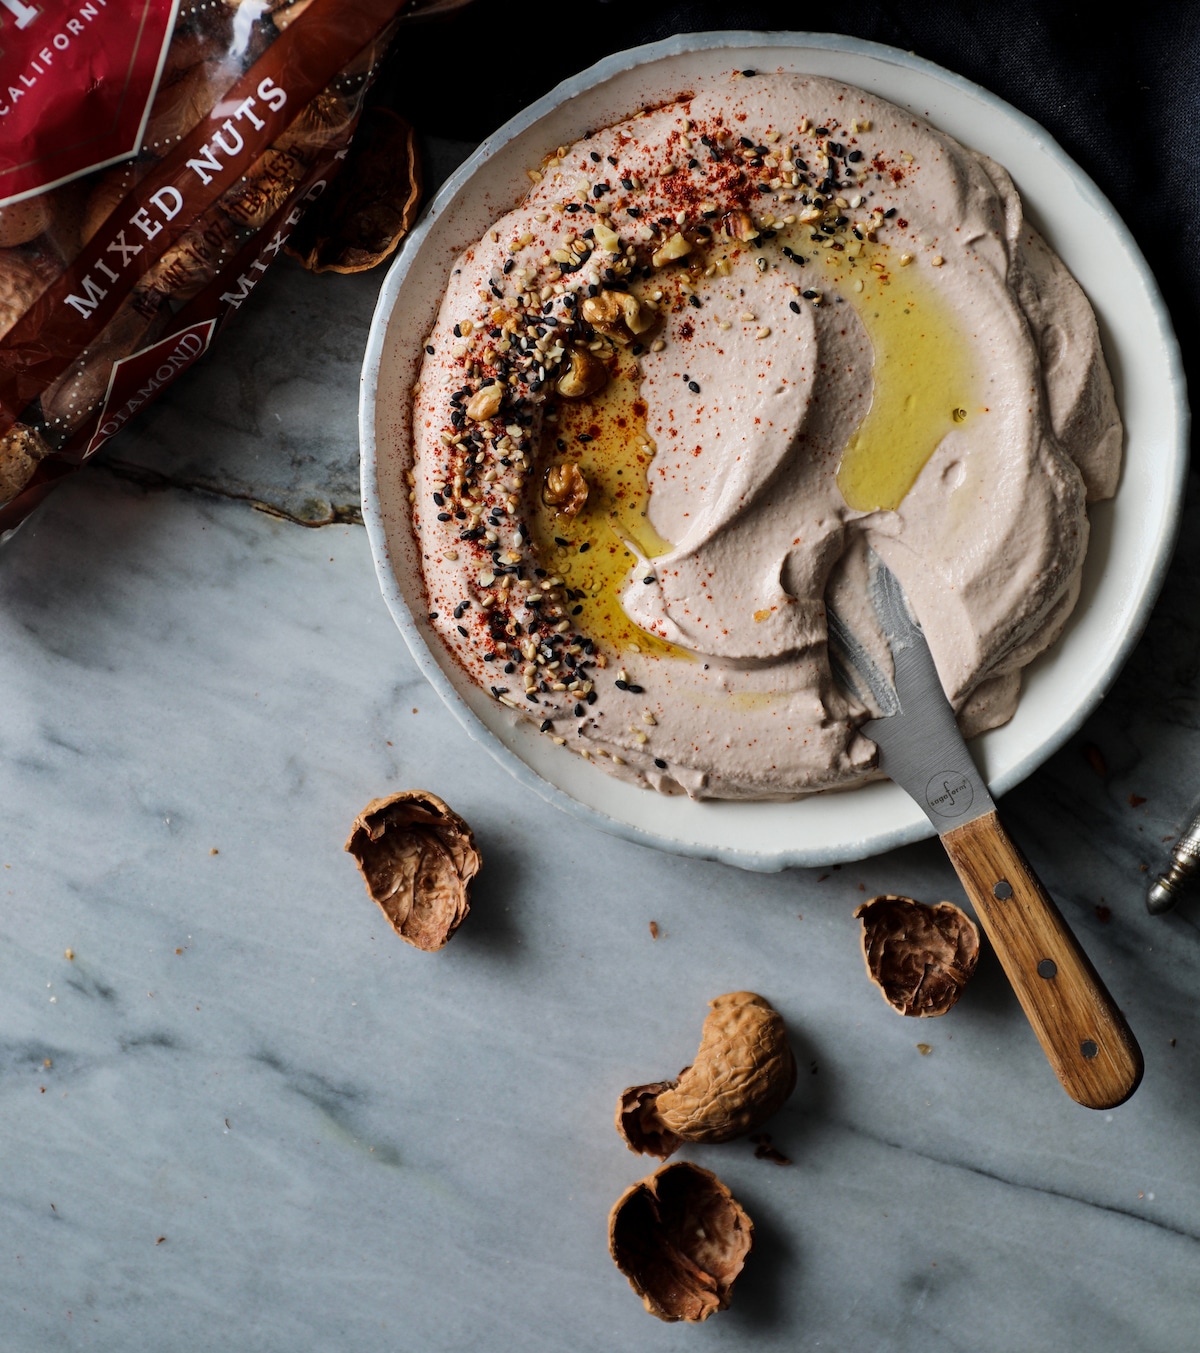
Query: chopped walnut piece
point(919, 957)
point(681, 1238)
point(418, 858)
point(565, 489)
point(586, 375)
point(743, 1073)
point(618, 314)
point(485, 403)
point(678, 246)
point(739, 225)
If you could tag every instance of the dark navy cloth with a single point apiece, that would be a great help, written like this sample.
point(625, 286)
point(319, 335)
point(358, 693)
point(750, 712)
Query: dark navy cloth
point(1120, 95)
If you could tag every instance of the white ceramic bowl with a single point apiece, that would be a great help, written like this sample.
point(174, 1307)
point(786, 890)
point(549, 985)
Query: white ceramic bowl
point(1132, 536)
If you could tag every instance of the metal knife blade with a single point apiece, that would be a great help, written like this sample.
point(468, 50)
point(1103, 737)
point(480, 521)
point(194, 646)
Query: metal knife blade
point(920, 745)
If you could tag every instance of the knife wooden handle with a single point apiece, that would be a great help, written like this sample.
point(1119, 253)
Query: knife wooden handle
point(1083, 1034)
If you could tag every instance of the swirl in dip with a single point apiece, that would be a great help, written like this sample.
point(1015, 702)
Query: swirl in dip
point(718, 351)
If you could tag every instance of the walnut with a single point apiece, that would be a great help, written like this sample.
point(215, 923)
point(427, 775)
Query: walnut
point(739, 225)
point(23, 221)
point(179, 106)
point(678, 246)
point(565, 489)
point(418, 858)
point(485, 403)
point(919, 957)
point(743, 1073)
point(20, 450)
point(617, 314)
point(681, 1238)
point(586, 375)
point(324, 121)
point(371, 204)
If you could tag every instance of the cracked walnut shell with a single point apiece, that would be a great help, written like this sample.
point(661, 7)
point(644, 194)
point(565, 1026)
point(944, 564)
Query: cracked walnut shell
point(743, 1073)
point(681, 1238)
point(919, 957)
point(418, 858)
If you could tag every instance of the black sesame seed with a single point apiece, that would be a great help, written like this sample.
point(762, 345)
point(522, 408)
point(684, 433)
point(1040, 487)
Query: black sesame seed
point(794, 306)
point(887, 215)
point(599, 189)
point(458, 611)
point(558, 540)
point(693, 387)
point(443, 516)
point(529, 695)
point(579, 711)
point(836, 148)
point(576, 610)
point(433, 615)
point(693, 163)
point(498, 691)
point(583, 549)
point(509, 668)
point(821, 131)
point(694, 300)
point(594, 156)
point(591, 697)
point(429, 349)
point(462, 629)
point(636, 690)
point(748, 73)
point(809, 295)
point(633, 211)
point(746, 141)
point(650, 579)
point(854, 156)
point(457, 331)
point(546, 726)
point(660, 763)
point(612, 159)
point(627, 184)
point(621, 685)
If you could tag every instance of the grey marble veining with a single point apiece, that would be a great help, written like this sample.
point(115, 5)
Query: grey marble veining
point(244, 1115)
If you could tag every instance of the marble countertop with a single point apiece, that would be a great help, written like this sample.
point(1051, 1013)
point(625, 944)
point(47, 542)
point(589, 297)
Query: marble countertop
point(239, 1113)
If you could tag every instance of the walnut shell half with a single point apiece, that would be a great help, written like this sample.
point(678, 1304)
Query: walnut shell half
point(681, 1238)
point(370, 206)
point(418, 858)
point(919, 957)
point(743, 1073)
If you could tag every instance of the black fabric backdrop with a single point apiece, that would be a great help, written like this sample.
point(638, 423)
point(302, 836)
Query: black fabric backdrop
point(1121, 97)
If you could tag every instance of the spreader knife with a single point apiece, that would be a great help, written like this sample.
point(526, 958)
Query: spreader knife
point(1083, 1034)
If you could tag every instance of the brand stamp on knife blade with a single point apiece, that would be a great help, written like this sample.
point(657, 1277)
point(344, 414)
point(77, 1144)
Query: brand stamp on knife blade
point(949, 793)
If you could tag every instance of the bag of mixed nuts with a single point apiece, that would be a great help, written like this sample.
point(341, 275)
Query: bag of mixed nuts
point(155, 156)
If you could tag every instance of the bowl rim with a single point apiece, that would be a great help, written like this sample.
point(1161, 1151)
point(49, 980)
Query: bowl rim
point(373, 516)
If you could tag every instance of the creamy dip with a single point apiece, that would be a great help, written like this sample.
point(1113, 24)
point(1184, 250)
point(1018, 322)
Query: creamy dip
point(763, 328)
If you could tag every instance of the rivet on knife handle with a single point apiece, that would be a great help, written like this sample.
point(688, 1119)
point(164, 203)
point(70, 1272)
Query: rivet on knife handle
point(1083, 1034)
